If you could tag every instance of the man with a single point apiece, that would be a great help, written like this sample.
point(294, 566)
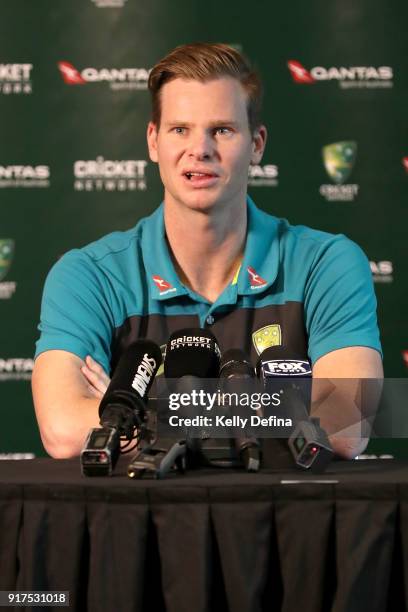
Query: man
point(208, 257)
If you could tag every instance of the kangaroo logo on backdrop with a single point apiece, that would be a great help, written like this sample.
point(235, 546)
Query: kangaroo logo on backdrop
point(299, 73)
point(118, 78)
point(16, 368)
point(382, 271)
point(7, 289)
point(110, 175)
point(162, 285)
point(270, 335)
point(339, 159)
point(351, 77)
point(15, 79)
point(263, 176)
point(24, 176)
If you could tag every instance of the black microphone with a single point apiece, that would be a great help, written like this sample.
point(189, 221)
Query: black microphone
point(237, 374)
point(280, 367)
point(192, 352)
point(192, 357)
point(124, 402)
point(122, 408)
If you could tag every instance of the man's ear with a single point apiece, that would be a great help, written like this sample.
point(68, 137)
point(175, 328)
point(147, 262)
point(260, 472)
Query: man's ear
point(258, 144)
point(152, 141)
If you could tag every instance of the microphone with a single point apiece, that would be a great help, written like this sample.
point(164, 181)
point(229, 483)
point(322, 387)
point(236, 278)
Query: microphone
point(124, 402)
point(308, 442)
point(236, 374)
point(192, 352)
point(122, 408)
point(192, 356)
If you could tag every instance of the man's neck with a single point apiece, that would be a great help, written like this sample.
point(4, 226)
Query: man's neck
point(206, 247)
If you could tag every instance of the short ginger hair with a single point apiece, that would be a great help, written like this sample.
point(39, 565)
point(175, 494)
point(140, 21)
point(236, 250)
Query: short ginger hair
point(204, 62)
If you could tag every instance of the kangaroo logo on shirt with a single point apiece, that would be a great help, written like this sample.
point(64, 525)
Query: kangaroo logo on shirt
point(270, 335)
point(255, 280)
point(162, 285)
point(6, 256)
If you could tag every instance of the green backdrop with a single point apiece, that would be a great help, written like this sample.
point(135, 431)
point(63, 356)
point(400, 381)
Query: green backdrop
point(74, 164)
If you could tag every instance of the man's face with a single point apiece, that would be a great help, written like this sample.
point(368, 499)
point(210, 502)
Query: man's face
point(204, 145)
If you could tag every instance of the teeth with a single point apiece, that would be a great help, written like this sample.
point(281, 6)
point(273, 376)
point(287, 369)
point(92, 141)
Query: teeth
point(190, 174)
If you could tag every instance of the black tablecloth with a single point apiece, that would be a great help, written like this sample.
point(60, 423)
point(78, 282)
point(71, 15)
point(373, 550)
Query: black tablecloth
point(208, 540)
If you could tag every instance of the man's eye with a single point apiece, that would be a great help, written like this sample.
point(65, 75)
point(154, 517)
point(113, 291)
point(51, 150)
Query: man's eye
point(179, 130)
point(223, 130)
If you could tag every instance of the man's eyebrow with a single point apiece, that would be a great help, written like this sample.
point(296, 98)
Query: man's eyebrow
point(216, 123)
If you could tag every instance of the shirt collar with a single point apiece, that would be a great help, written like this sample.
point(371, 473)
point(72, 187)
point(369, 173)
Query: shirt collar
point(161, 275)
point(259, 265)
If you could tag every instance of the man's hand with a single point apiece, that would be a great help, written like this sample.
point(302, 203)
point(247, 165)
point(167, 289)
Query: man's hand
point(96, 377)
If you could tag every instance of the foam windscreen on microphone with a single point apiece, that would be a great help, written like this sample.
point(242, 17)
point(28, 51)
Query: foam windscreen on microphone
point(281, 361)
point(134, 375)
point(192, 352)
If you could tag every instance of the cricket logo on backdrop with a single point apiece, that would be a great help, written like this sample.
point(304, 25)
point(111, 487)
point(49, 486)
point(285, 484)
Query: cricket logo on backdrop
point(270, 335)
point(6, 256)
point(339, 159)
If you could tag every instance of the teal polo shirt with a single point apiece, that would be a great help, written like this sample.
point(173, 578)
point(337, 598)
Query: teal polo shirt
point(308, 290)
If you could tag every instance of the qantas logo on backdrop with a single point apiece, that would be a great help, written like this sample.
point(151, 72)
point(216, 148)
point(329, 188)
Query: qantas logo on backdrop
point(118, 78)
point(162, 285)
point(256, 281)
point(405, 163)
point(16, 368)
point(363, 77)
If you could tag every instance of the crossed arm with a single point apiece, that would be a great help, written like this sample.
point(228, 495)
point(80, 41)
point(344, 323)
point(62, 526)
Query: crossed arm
point(67, 392)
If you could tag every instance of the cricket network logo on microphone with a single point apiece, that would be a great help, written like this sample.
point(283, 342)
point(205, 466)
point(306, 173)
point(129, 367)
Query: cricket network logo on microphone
point(347, 77)
point(196, 341)
point(103, 174)
point(15, 368)
point(16, 175)
point(7, 289)
point(15, 79)
point(382, 271)
point(117, 78)
point(263, 176)
point(339, 159)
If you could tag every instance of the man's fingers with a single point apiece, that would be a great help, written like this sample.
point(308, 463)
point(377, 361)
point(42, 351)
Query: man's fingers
point(95, 367)
point(100, 383)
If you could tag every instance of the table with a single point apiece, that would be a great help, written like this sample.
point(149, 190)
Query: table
point(208, 540)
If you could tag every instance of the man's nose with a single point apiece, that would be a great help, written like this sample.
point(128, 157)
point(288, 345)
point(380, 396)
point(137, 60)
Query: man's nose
point(201, 145)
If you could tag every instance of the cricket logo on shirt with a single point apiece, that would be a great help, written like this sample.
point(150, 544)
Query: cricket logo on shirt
point(270, 335)
point(6, 256)
point(162, 285)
